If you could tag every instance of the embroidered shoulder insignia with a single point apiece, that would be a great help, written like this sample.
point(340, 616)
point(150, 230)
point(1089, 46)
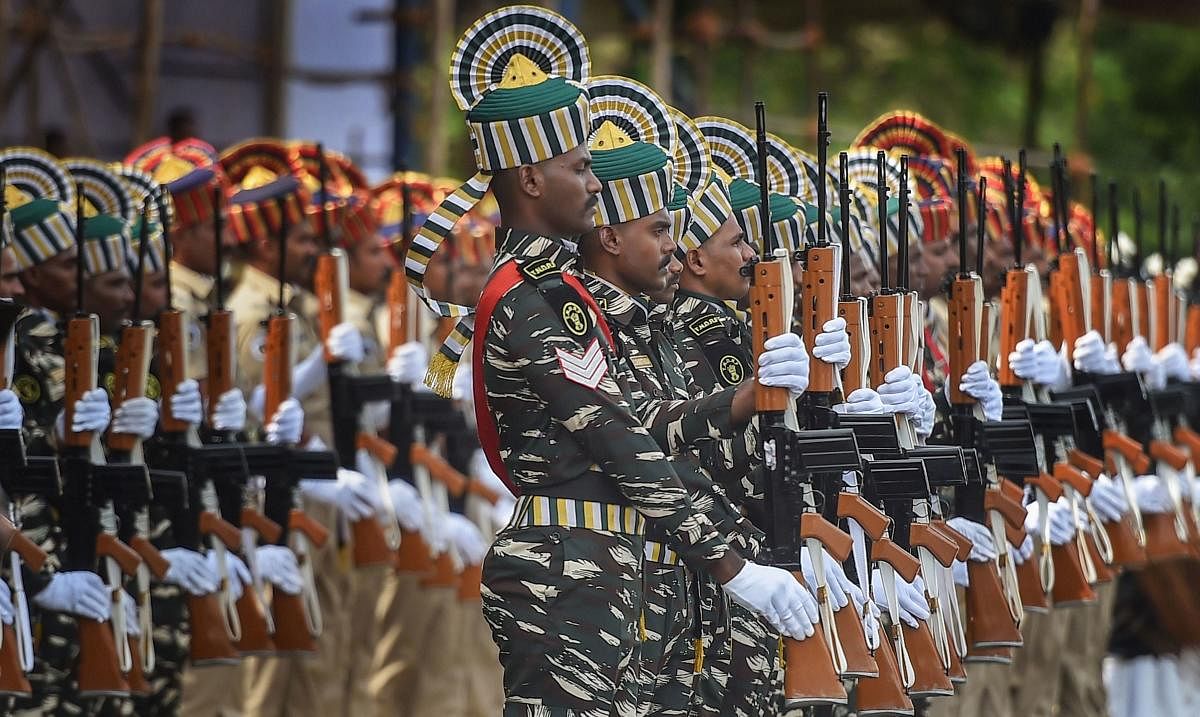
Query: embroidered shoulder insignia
point(704, 324)
point(537, 270)
point(587, 369)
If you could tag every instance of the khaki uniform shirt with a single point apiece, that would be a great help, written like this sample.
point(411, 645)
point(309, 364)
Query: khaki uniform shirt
point(361, 311)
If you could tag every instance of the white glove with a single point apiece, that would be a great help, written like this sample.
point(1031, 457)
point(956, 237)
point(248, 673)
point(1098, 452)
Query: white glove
point(79, 592)
point(230, 411)
point(286, 424)
point(409, 510)
point(277, 565)
point(1039, 362)
point(133, 626)
point(186, 405)
point(983, 545)
point(832, 345)
point(1137, 356)
point(1151, 495)
point(463, 388)
point(911, 597)
point(1172, 361)
point(235, 570)
point(835, 577)
point(191, 571)
point(408, 363)
point(1194, 365)
point(92, 412)
point(978, 384)
point(138, 416)
point(345, 343)
point(1022, 552)
point(777, 596)
point(310, 374)
point(899, 393)
point(958, 571)
point(12, 416)
point(1062, 523)
point(923, 420)
point(1107, 499)
point(351, 493)
point(7, 613)
point(784, 363)
point(466, 538)
point(1091, 354)
point(862, 400)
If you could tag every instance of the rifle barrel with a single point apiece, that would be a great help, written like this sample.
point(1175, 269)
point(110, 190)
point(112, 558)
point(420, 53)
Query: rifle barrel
point(1114, 248)
point(822, 159)
point(143, 240)
point(844, 210)
point(981, 229)
point(283, 234)
point(881, 193)
point(961, 157)
point(1095, 223)
point(764, 190)
point(902, 258)
point(79, 277)
point(218, 248)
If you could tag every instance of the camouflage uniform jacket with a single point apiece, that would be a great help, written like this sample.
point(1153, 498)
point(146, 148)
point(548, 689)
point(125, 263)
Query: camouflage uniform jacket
point(714, 344)
point(554, 428)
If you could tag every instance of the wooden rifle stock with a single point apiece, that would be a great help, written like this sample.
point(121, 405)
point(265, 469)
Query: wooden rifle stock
point(219, 354)
point(150, 555)
point(256, 631)
point(210, 639)
point(1088, 464)
point(129, 379)
point(98, 670)
point(1070, 299)
point(809, 677)
point(12, 676)
point(887, 335)
point(292, 633)
point(1014, 323)
point(80, 350)
point(1191, 335)
point(884, 694)
point(397, 301)
point(855, 375)
point(873, 521)
point(820, 305)
point(1123, 329)
point(439, 469)
point(329, 286)
point(172, 364)
point(766, 298)
point(277, 364)
point(965, 305)
point(1163, 312)
point(1141, 295)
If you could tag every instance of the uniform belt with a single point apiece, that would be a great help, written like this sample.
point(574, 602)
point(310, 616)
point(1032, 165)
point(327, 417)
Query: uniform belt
point(659, 553)
point(539, 510)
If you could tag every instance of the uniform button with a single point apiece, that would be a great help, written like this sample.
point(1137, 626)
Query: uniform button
point(555, 537)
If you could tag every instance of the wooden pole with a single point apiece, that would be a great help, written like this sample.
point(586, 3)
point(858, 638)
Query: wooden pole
point(662, 49)
point(277, 33)
point(436, 143)
point(149, 53)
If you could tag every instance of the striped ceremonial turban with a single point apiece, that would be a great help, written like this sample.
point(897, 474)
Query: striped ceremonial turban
point(189, 169)
point(519, 73)
point(735, 153)
point(632, 140)
point(142, 186)
point(331, 201)
point(358, 220)
point(692, 170)
point(903, 132)
point(265, 174)
point(1031, 232)
point(863, 173)
point(387, 204)
point(106, 204)
point(40, 196)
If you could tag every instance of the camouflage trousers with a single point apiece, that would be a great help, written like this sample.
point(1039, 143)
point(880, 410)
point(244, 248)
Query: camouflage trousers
point(564, 607)
point(668, 644)
point(716, 638)
point(755, 652)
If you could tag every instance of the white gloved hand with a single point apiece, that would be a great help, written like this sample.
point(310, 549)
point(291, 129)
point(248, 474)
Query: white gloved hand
point(467, 538)
point(1151, 495)
point(186, 404)
point(1172, 362)
point(860, 401)
point(138, 416)
point(1090, 354)
point(1062, 522)
point(230, 411)
point(11, 413)
point(310, 374)
point(1194, 365)
point(958, 571)
point(409, 510)
point(832, 345)
point(924, 419)
point(463, 388)
point(92, 412)
point(191, 571)
point(345, 343)
point(978, 384)
point(784, 363)
point(1022, 552)
point(408, 363)
point(1039, 362)
point(983, 545)
point(133, 627)
point(777, 596)
point(235, 570)
point(286, 424)
point(351, 493)
point(899, 393)
point(7, 613)
point(277, 565)
point(1107, 499)
point(911, 597)
point(79, 592)
point(835, 577)
point(1137, 356)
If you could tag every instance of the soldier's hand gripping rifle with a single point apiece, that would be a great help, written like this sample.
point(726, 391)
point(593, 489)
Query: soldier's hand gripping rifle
point(377, 537)
point(91, 522)
point(792, 458)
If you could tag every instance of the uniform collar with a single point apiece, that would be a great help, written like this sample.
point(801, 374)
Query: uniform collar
point(261, 283)
point(705, 302)
point(517, 244)
point(197, 284)
point(621, 307)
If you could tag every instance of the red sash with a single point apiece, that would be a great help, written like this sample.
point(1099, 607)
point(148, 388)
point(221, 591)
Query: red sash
point(504, 278)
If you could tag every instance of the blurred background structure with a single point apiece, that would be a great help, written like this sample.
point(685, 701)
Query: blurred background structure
point(1116, 81)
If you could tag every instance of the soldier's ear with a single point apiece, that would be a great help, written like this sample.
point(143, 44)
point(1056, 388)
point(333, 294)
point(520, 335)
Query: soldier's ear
point(531, 181)
point(694, 262)
point(609, 240)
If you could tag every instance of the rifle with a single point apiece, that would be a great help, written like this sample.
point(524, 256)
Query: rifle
point(1140, 295)
point(1020, 297)
point(375, 538)
point(91, 523)
point(811, 676)
point(20, 476)
point(1102, 279)
point(1069, 281)
point(853, 309)
point(1123, 324)
point(1162, 307)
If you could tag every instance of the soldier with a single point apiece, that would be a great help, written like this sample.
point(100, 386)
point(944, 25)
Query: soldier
point(567, 566)
point(265, 174)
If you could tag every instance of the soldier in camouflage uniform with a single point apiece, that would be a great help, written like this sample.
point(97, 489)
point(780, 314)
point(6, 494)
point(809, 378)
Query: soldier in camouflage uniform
point(562, 583)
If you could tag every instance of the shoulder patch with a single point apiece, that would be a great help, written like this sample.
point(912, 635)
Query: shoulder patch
point(641, 362)
point(728, 362)
point(575, 318)
point(153, 387)
point(537, 270)
point(704, 324)
point(27, 389)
